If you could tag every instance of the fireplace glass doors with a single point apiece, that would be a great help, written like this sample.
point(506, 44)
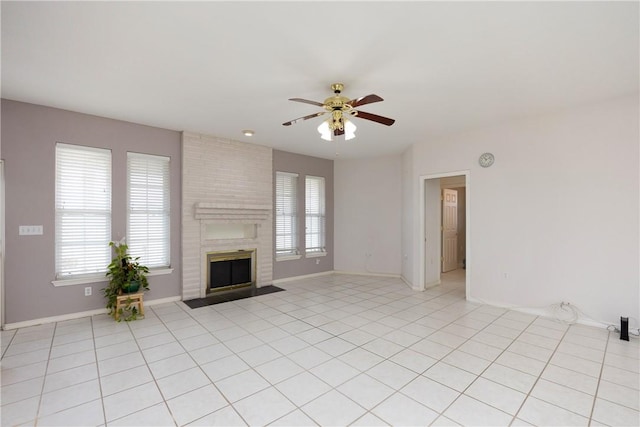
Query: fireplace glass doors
point(229, 270)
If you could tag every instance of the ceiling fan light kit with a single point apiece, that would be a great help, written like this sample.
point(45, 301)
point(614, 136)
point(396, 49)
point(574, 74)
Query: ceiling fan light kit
point(326, 129)
point(341, 108)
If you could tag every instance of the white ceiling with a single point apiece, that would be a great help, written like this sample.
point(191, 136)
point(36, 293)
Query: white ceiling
point(220, 67)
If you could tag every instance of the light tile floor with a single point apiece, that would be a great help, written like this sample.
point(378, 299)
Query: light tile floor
point(333, 350)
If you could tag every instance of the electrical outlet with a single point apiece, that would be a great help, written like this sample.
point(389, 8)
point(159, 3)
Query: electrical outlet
point(87, 291)
point(317, 261)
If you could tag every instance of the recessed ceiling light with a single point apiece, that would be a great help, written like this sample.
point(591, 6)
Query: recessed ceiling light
point(248, 132)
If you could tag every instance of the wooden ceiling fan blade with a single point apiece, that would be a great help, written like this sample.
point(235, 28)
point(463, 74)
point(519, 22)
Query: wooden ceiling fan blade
point(301, 119)
point(375, 118)
point(306, 101)
point(369, 99)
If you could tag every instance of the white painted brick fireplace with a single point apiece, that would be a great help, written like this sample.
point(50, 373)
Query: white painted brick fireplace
point(224, 183)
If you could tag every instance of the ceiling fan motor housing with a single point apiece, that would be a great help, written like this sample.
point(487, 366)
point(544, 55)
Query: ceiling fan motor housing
point(338, 105)
point(336, 102)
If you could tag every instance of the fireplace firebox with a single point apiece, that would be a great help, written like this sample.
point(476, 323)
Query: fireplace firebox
point(230, 270)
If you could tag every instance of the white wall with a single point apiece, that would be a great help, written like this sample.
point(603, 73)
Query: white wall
point(410, 206)
point(555, 218)
point(368, 215)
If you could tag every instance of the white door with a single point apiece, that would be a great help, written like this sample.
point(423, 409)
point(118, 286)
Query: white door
point(449, 230)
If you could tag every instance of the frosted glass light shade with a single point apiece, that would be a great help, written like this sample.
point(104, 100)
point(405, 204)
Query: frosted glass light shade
point(325, 131)
point(349, 130)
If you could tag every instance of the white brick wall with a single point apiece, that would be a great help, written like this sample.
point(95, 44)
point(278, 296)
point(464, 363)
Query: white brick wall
point(223, 172)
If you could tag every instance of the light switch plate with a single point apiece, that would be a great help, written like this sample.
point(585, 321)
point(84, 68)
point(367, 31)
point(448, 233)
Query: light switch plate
point(30, 230)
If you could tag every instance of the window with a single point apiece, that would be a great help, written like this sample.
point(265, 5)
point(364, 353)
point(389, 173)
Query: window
point(315, 214)
point(148, 218)
point(286, 214)
point(83, 210)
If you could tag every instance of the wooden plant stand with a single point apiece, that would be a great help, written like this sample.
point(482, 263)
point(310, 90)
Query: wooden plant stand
point(133, 300)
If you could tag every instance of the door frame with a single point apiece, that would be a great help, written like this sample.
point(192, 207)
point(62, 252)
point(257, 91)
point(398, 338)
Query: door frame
point(468, 247)
point(2, 246)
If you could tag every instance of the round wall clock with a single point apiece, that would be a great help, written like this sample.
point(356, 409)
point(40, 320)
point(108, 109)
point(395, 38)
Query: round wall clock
point(486, 159)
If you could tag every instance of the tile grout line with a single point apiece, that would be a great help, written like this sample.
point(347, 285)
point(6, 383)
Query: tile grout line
point(387, 310)
point(169, 330)
point(308, 345)
point(425, 337)
point(117, 372)
point(492, 362)
point(44, 377)
point(13, 335)
point(334, 336)
point(146, 364)
point(540, 376)
point(71, 385)
point(296, 407)
point(95, 354)
point(595, 394)
point(155, 381)
point(369, 411)
point(197, 364)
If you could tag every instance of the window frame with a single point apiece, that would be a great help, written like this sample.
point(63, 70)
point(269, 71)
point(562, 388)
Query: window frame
point(315, 216)
point(161, 165)
point(286, 207)
point(91, 169)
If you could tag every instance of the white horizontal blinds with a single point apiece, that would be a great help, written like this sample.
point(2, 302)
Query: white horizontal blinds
point(83, 210)
point(315, 214)
point(148, 219)
point(286, 214)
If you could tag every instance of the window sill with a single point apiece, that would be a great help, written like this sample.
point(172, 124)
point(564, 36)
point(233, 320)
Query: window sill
point(160, 271)
point(80, 280)
point(315, 254)
point(102, 278)
point(288, 258)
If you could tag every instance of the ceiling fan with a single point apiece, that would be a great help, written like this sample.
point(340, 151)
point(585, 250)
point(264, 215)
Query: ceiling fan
point(341, 109)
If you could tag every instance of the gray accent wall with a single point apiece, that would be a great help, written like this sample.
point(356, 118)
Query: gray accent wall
point(29, 136)
point(305, 165)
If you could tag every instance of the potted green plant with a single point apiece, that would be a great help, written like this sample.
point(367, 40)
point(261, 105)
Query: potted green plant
point(126, 275)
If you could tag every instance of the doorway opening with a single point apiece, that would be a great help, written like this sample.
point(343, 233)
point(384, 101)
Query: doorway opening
point(444, 219)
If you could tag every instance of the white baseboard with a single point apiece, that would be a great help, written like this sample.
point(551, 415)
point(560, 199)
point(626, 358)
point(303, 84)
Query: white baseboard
point(305, 276)
point(432, 284)
point(53, 319)
point(367, 273)
point(545, 313)
point(80, 314)
point(326, 273)
point(542, 312)
point(407, 282)
point(419, 288)
point(162, 301)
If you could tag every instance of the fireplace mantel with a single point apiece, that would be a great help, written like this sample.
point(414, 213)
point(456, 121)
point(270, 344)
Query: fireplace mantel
point(232, 211)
